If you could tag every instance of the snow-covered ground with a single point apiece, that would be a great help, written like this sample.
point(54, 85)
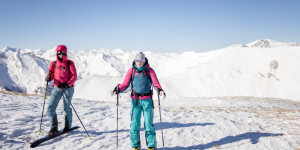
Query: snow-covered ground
point(231, 123)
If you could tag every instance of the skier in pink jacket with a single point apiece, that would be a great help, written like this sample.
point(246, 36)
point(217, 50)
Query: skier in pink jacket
point(142, 77)
point(63, 72)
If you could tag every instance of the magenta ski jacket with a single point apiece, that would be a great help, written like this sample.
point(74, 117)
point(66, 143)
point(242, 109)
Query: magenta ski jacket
point(62, 72)
point(128, 79)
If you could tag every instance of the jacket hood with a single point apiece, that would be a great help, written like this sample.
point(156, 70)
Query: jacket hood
point(62, 48)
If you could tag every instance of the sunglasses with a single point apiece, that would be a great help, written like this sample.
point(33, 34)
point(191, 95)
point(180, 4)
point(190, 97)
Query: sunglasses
point(61, 53)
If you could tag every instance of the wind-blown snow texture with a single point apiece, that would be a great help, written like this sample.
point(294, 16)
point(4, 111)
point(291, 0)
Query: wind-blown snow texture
point(263, 68)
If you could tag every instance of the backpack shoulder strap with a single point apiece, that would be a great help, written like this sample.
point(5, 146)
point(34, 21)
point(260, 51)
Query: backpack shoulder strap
point(132, 76)
point(133, 73)
point(148, 75)
point(68, 63)
point(54, 66)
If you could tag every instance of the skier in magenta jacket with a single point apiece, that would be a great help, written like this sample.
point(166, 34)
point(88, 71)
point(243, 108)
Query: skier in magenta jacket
point(142, 77)
point(63, 71)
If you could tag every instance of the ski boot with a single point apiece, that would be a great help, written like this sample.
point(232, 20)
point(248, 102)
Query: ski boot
point(67, 128)
point(150, 148)
point(53, 131)
point(136, 148)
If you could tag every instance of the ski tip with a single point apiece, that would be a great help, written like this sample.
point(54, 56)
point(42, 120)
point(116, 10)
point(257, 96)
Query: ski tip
point(33, 145)
point(90, 138)
point(39, 132)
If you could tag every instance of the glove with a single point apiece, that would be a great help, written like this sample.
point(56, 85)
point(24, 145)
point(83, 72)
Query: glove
point(162, 94)
point(63, 86)
point(115, 91)
point(48, 78)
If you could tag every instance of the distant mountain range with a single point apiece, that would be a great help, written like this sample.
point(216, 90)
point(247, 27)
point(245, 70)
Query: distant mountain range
point(264, 68)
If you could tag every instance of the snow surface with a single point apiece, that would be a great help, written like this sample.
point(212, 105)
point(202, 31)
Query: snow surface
point(229, 123)
point(263, 68)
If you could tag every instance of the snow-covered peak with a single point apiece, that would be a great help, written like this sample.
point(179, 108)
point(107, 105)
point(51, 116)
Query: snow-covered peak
point(266, 43)
point(117, 51)
point(6, 49)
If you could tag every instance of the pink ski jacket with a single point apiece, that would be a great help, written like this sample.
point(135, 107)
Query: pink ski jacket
point(60, 72)
point(127, 81)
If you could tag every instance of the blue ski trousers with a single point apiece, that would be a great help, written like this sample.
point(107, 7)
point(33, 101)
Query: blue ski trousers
point(55, 97)
point(144, 106)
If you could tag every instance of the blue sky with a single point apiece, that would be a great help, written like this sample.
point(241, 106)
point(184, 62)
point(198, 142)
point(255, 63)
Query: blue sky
point(153, 25)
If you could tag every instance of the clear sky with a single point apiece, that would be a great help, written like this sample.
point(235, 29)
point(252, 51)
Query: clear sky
point(146, 25)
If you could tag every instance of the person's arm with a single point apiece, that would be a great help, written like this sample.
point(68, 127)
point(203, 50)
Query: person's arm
point(73, 74)
point(155, 81)
point(50, 73)
point(126, 81)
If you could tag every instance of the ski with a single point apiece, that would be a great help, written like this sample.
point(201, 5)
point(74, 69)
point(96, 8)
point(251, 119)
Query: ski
point(46, 138)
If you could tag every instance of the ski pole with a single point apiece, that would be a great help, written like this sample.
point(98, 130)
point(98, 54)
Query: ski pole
point(162, 134)
point(77, 114)
point(43, 109)
point(117, 120)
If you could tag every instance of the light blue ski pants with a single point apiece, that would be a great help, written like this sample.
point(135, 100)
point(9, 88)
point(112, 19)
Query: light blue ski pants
point(144, 106)
point(56, 95)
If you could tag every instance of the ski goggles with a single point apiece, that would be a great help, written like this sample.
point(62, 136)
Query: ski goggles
point(138, 61)
point(61, 53)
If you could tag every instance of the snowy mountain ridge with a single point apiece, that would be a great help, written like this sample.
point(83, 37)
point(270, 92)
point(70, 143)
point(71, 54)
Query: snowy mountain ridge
point(267, 43)
point(231, 71)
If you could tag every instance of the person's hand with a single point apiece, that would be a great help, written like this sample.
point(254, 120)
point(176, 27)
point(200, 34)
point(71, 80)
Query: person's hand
point(162, 94)
point(48, 77)
point(115, 91)
point(63, 86)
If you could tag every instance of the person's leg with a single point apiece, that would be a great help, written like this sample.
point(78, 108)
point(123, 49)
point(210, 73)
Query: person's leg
point(52, 105)
point(135, 124)
point(67, 109)
point(148, 124)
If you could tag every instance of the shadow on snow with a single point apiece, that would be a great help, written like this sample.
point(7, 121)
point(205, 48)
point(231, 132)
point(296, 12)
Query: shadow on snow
point(169, 125)
point(252, 136)
point(166, 125)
